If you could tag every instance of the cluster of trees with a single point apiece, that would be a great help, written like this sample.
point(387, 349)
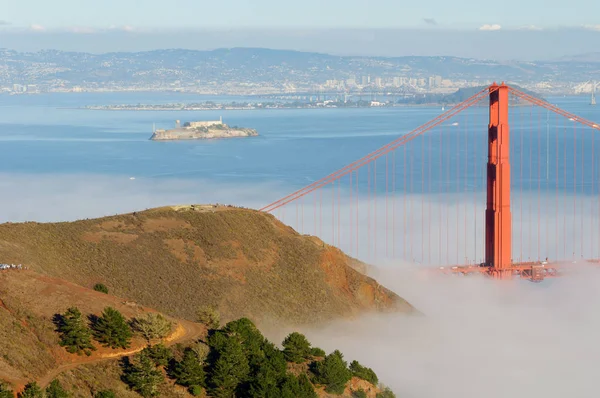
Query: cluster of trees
point(54, 390)
point(238, 361)
point(111, 329)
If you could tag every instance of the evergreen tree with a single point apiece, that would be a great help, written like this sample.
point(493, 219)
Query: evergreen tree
point(6, 391)
point(142, 375)
point(56, 390)
point(189, 371)
point(359, 394)
point(386, 393)
point(229, 368)
point(332, 372)
point(363, 373)
point(75, 335)
point(209, 316)
point(249, 336)
point(112, 330)
point(317, 352)
point(297, 387)
point(32, 390)
point(105, 394)
point(296, 348)
point(160, 354)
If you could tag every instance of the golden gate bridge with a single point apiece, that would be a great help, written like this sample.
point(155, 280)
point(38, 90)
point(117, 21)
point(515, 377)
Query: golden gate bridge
point(420, 198)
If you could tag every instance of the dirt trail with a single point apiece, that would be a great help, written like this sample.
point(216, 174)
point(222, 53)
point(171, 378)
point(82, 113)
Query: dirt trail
point(185, 331)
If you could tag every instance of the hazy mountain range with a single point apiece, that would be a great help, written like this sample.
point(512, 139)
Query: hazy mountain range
point(257, 66)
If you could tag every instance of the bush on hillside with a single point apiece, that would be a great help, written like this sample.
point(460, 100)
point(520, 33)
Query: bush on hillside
point(332, 372)
point(142, 375)
point(32, 390)
point(99, 287)
point(386, 393)
point(296, 348)
point(209, 316)
point(160, 354)
point(6, 391)
point(105, 394)
point(363, 373)
point(75, 335)
point(201, 350)
point(152, 326)
point(196, 391)
point(317, 352)
point(359, 394)
point(112, 330)
point(56, 390)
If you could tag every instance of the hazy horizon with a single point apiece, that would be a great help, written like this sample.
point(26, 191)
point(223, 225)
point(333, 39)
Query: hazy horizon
point(501, 45)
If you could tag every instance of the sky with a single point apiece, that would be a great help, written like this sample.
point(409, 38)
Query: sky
point(426, 27)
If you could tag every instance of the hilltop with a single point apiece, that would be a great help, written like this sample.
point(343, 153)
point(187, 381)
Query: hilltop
point(176, 259)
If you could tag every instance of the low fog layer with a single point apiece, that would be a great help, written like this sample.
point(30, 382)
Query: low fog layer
point(480, 337)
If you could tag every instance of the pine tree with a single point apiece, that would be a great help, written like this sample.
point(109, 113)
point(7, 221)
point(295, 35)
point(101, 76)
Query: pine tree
point(297, 387)
point(142, 375)
point(160, 354)
point(189, 371)
point(332, 372)
point(75, 335)
point(230, 367)
point(296, 348)
point(112, 330)
point(6, 391)
point(363, 373)
point(32, 390)
point(307, 390)
point(55, 390)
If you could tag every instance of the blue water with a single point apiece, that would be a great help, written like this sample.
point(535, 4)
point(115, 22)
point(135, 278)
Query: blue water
point(44, 134)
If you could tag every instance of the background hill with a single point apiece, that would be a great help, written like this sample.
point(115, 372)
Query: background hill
point(177, 259)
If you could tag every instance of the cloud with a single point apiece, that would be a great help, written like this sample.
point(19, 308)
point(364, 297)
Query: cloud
point(531, 27)
point(490, 27)
point(81, 30)
point(592, 27)
point(430, 21)
point(124, 28)
point(37, 28)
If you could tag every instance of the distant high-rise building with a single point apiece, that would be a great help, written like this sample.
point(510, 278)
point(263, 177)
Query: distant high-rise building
point(378, 82)
point(365, 80)
point(397, 81)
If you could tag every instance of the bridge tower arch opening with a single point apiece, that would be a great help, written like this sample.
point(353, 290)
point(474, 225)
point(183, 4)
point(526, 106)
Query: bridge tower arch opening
point(498, 227)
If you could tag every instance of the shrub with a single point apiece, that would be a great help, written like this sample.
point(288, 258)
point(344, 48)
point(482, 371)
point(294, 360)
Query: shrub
point(160, 354)
point(99, 287)
point(56, 390)
point(189, 371)
point(152, 326)
point(32, 390)
point(75, 335)
point(363, 373)
point(105, 394)
point(201, 350)
point(209, 316)
point(5, 391)
point(196, 391)
point(112, 330)
point(296, 348)
point(359, 394)
point(332, 372)
point(317, 352)
point(142, 375)
point(386, 393)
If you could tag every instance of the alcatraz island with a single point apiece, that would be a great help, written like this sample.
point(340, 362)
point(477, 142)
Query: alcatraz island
point(202, 130)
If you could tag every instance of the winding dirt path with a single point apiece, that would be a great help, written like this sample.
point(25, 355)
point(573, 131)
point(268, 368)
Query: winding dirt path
point(184, 331)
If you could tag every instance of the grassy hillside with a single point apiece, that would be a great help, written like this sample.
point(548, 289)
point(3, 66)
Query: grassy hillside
point(176, 259)
point(30, 350)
